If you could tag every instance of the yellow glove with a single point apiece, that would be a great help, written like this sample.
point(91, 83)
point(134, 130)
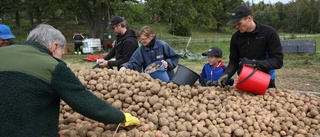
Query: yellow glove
point(130, 120)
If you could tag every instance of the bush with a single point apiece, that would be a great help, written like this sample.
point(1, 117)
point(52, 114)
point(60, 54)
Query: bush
point(317, 29)
point(180, 29)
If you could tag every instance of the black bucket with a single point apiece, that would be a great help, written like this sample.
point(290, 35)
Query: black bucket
point(185, 76)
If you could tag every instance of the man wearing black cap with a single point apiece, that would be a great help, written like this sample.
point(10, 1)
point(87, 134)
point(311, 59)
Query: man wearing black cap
point(254, 44)
point(125, 44)
point(212, 70)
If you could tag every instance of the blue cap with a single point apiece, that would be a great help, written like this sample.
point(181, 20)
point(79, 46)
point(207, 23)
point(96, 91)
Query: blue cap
point(5, 32)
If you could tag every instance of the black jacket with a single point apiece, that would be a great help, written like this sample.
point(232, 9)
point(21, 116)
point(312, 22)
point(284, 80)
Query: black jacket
point(123, 49)
point(263, 45)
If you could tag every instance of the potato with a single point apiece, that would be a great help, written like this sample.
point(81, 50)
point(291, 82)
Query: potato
point(117, 104)
point(163, 122)
point(129, 79)
point(91, 134)
point(154, 99)
point(183, 134)
point(139, 98)
point(143, 87)
point(82, 131)
point(313, 113)
point(203, 115)
point(144, 127)
point(165, 129)
point(156, 106)
point(155, 88)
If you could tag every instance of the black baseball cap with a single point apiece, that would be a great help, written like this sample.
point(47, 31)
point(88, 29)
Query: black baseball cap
point(238, 13)
point(214, 51)
point(114, 21)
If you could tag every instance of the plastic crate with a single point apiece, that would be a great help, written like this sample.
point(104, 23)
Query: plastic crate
point(91, 42)
point(91, 45)
point(87, 50)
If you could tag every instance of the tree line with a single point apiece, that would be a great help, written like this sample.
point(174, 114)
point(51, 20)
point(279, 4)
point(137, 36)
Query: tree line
point(299, 16)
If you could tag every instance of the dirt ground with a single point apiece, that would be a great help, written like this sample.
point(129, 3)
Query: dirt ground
point(288, 77)
point(298, 78)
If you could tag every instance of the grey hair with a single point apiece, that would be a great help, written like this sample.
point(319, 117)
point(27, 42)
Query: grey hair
point(46, 35)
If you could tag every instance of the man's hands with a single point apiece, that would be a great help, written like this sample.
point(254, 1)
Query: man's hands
point(223, 80)
point(102, 62)
point(248, 62)
point(130, 120)
point(211, 83)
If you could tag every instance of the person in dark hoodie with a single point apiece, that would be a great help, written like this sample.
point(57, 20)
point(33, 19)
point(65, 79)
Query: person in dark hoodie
point(254, 44)
point(125, 44)
point(212, 70)
point(152, 50)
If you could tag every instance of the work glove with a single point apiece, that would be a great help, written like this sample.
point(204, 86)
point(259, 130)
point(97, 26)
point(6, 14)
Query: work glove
point(248, 62)
point(211, 83)
point(130, 120)
point(222, 81)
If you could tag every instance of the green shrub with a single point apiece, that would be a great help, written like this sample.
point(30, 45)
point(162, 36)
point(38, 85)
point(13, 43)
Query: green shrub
point(180, 29)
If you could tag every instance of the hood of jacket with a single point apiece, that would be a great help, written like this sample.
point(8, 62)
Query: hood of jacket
point(129, 33)
point(220, 64)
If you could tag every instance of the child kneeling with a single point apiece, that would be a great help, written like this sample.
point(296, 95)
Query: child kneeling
point(212, 70)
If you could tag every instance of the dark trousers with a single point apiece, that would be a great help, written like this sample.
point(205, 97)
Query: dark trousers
point(77, 47)
point(272, 84)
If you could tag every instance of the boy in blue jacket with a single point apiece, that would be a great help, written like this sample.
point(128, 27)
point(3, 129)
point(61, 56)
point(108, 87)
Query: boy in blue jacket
point(212, 70)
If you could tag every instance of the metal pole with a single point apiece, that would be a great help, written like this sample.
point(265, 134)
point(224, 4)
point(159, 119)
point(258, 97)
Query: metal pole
point(252, 7)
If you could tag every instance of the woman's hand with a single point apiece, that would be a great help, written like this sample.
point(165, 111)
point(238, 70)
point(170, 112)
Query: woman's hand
point(165, 63)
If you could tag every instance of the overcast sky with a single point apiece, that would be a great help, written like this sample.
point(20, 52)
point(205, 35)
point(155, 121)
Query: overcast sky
point(257, 1)
point(272, 1)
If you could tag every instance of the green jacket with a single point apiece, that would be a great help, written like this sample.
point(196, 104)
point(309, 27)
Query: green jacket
point(32, 82)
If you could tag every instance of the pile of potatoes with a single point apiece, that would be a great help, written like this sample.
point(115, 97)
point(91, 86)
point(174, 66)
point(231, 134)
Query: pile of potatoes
point(169, 110)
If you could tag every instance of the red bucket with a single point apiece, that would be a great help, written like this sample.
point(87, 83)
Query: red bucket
point(253, 80)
